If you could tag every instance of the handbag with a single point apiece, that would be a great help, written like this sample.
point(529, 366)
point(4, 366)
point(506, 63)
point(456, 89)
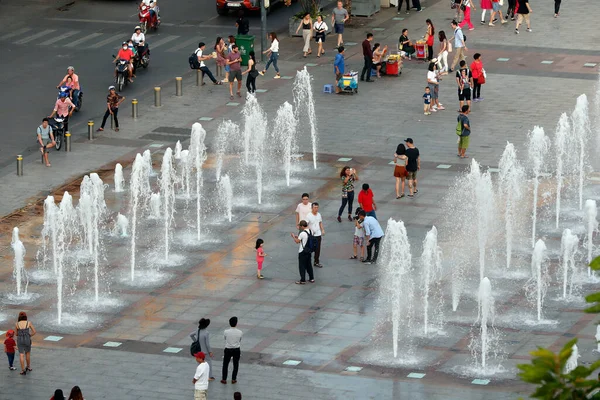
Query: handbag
point(449, 47)
point(481, 79)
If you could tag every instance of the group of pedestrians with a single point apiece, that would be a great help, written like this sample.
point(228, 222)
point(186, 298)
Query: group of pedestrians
point(75, 394)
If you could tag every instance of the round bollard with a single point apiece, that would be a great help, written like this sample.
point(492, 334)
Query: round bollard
point(68, 141)
point(19, 165)
point(134, 108)
point(157, 97)
point(178, 86)
point(198, 77)
point(90, 130)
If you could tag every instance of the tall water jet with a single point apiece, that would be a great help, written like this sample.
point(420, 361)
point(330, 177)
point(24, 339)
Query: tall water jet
point(167, 192)
point(512, 177)
point(561, 140)
point(139, 193)
point(481, 187)
point(395, 295)
point(539, 144)
point(581, 131)
point(304, 104)
point(119, 179)
point(226, 133)
point(597, 336)
point(226, 196)
point(178, 150)
point(431, 261)
point(50, 232)
point(66, 231)
point(198, 156)
point(185, 166)
point(285, 130)
point(155, 206)
point(485, 318)
point(19, 272)
point(568, 249)
point(591, 212)
point(255, 123)
point(121, 225)
point(572, 362)
point(538, 283)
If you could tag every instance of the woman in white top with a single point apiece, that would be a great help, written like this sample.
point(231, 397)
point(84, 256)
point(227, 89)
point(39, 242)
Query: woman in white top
point(400, 172)
point(307, 27)
point(443, 54)
point(138, 37)
point(274, 55)
point(432, 82)
point(320, 33)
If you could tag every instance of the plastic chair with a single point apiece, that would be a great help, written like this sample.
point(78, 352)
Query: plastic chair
point(328, 89)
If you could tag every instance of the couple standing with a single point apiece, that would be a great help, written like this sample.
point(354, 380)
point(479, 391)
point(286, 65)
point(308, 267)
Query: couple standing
point(310, 225)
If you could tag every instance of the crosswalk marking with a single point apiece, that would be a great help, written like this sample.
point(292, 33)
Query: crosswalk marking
point(162, 41)
point(83, 39)
point(59, 38)
point(34, 37)
point(116, 38)
point(15, 33)
point(191, 42)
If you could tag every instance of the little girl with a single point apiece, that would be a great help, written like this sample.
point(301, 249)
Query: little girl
point(359, 237)
point(260, 257)
point(9, 348)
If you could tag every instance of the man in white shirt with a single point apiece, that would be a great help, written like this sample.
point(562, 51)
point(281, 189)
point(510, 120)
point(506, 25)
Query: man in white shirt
point(201, 58)
point(315, 224)
point(200, 380)
point(304, 264)
point(233, 341)
point(304, 208)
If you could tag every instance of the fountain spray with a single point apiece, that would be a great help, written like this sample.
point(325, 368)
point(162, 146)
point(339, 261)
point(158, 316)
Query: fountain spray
point(19, 272)
point(198, 156)
point(539, 144)
point(119, 179)
point(581, 131)
point(139, 194)
point(568, 250)
point(167, 191)
point(591, 212)
point(226, 196)
point(285, 129)
point(561, 140)
point(304, 104)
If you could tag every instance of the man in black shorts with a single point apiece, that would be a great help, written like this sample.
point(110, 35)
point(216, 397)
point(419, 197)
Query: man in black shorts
point(464, 80)
point(413, 164)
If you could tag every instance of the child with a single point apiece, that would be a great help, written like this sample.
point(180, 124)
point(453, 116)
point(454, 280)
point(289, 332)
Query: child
point(359, 237)
point(260, 257)
point(9, 348)
point(427, 101)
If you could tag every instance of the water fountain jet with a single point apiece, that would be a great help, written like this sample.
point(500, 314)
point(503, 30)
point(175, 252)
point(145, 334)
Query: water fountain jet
point(539, 144)
point(591, 213)
point(119, 179)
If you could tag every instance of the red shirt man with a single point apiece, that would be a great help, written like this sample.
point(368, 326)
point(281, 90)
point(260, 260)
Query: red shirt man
point(366, 200)
point(125, 54)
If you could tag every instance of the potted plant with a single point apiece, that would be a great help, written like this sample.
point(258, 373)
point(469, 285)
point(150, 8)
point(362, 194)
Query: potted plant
point(308, 6)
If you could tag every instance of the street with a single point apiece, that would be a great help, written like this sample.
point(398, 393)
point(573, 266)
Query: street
point(40, 41)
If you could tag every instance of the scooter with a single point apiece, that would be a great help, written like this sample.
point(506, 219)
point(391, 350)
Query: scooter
point(67, 90)
point(147, 20)
point(58, 129)
point(142, 57)
point(122, 77)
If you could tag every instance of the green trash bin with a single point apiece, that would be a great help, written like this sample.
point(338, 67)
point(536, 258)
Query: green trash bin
point(245, 45)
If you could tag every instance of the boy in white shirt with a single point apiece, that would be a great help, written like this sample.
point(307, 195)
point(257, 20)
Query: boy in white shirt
point(304, 208)
point(200, 380)
point(315, 224)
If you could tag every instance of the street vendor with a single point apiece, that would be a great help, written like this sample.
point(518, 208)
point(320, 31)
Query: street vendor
point(378, 57)
point(405, 44)
point(338, 67)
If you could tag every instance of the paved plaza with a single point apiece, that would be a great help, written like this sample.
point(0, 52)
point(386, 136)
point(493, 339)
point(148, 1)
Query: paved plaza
point(314, 341)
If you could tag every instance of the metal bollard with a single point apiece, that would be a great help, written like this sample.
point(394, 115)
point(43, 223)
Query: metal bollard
point(198, 77)
point(112, 122)
point(68, 141)
point(157, 97)
point(178, 88)
point(90, 130)
point(134, 105)
point(19, 165)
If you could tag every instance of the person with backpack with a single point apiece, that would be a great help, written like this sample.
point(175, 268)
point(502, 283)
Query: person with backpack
point(242, 24)
point(201, 342)
point(373, 236)
point(460, 46)
point(463, 131)
point(196, 61)
point(464, 80)
point(307, 243)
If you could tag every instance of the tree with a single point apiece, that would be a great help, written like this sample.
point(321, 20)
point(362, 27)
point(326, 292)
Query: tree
point(547, 368)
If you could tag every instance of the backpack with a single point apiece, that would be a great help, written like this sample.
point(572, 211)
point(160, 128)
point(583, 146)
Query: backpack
point(459, 127)
point(195, 347)
point(193, 60)
point(311, 243)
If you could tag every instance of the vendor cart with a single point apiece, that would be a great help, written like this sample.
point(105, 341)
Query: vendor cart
point(421, 49)
point(392, 65)
point(349, 82)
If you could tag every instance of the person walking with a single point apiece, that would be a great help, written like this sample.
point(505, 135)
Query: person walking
point(497, 10)
point(242, 23)
point(523, 10)
point(9, 348)
point(273, 52)
point(417, 5)
point(304, 264)
point(512, 4)
point(400, 172)
point(407, 6)
point(339, 16)
point(75, 393)
point(373, 236)
point(320, 34)
point(200, 380)
point(556, 8)
point(368, 56)
point(443, 54)
point(45, 138)
point(467, 6)
point(460, 46)
point(429, 37)
point(485, 6)
point(233, 343)
point(113, 101)
point(234, 60)
point(260, 257)
point(307, 29)
point(413, 164)
point(252, 73)
point(348, 176)
point(339, 66)
point(315, 224)
point(464, 80)
point(478, 74)
point(204, 339)
point(205, 71)
point(463, 130)
point(366, 201)
point(25, 331)
point(303, 208)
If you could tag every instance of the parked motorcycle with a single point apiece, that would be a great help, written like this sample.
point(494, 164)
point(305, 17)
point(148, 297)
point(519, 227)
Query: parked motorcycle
point(142, 58)
point(122, 77)
point(148, 20)
point(58, 130)
point(67, 90)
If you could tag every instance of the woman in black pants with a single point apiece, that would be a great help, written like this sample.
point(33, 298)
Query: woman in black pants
point(512, 4)
point(252, 73)
point(348, 176)
point(113, 100)
point(400, 6)
point(556, 8)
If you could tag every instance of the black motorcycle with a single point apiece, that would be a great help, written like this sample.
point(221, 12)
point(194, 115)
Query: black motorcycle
point(142, 57)
point(122, 78)
point(58, 129)
point(67, 90)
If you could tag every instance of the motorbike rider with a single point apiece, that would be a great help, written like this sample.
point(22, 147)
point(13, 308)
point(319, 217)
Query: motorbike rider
point(139, 40)
point(76, 87)
point(64, 108)
point(125, 53)
point(153, 6)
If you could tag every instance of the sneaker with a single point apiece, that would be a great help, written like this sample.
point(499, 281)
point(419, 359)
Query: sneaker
point(12, 368)
point(517, 31)
point(482, 22)
point(506, 17)
point(277, 76)
point(434, 109)
point(529, 30)
point(225, 81)
point(475, 100)
point(407, 13)
point(490, 24)
point(472, 29)
point(480, 98)
point(441, 108)
point(262, 73)
point(495, 20)
point(426, 113)
point(512, 18)
point(504, 22)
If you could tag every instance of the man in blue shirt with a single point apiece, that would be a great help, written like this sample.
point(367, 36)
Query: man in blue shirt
point(459, 45)
point(338, 67)
point(373, 235)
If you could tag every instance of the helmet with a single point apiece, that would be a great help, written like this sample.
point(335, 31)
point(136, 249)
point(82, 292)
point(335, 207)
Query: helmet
point(124, 43)
point(136, 28)
point(70, 68)
point(111, 88)
point(62, 95)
